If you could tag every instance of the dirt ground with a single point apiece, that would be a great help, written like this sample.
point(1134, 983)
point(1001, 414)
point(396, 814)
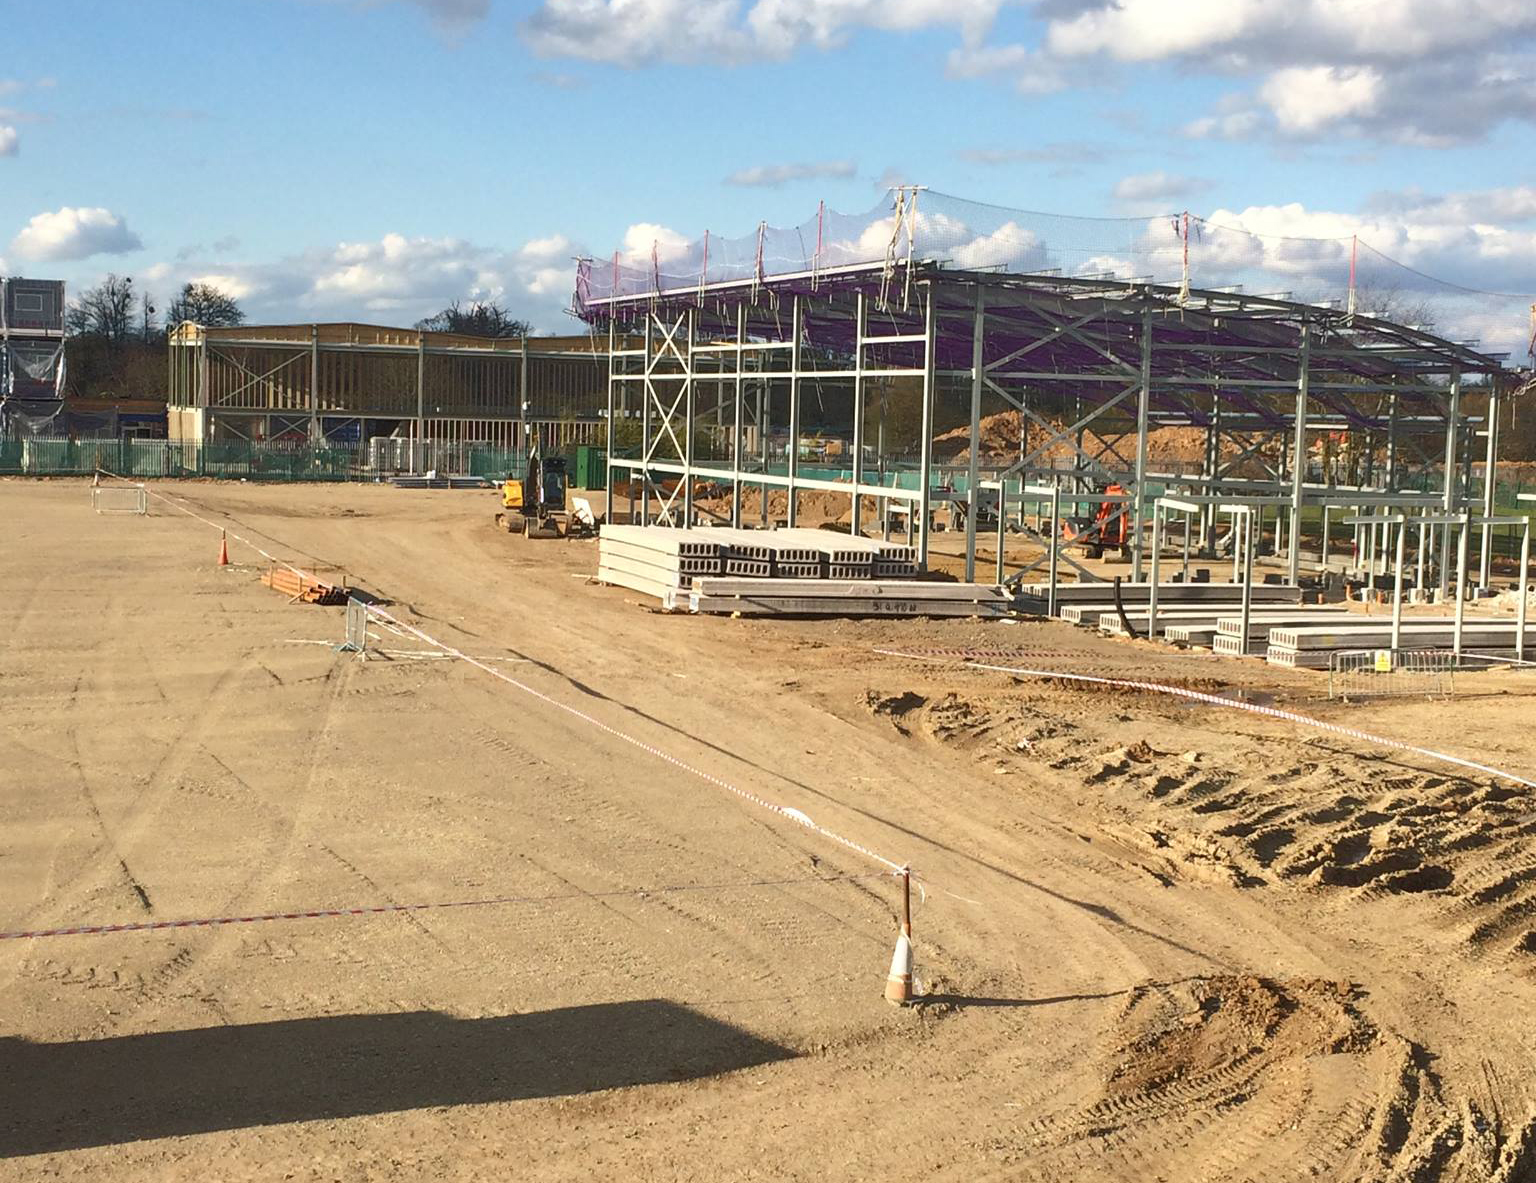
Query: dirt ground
point(1158, 940)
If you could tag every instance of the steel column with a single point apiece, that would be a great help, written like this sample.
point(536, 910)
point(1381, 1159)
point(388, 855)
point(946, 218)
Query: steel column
point(973, 473)
point(925, 461)
point(1143, 409)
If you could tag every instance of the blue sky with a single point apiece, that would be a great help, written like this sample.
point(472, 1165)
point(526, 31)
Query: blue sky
point(373, 159)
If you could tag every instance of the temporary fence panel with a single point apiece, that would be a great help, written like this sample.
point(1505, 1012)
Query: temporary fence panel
point(115, 499)
point(357, 627)
point(1356, 674)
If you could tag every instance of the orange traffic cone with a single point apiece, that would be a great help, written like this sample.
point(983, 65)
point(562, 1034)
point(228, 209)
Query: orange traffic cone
point(223, 549)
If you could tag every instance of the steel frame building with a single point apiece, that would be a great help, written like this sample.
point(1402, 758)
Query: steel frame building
point(353, 382)
point(712, 375)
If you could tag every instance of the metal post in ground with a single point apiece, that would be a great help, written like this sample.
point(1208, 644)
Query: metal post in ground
point(1002, 522)
point(1461, 581)
point(1055, 545)
point(1523, 586)
point(1397, 584)
point(1452, 451)
point(1245, 516)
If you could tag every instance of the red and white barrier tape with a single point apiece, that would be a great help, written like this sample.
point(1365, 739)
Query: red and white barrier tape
point(383, 909)
point(1252, 708)
point(784, 811)
point(794, 815)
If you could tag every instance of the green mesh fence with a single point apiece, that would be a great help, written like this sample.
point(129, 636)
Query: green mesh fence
point(239, 459)
point(253, 461)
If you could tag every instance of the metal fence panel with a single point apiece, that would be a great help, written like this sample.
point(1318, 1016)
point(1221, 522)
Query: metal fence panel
point(357, 627)
point(1357, 674)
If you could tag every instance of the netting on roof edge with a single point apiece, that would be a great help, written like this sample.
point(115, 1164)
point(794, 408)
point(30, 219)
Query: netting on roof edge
point(1167, 249)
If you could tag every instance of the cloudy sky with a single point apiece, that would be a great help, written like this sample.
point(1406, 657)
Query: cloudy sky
point(375, 159)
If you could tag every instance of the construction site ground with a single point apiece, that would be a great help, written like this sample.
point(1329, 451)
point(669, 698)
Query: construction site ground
point(1157, 939)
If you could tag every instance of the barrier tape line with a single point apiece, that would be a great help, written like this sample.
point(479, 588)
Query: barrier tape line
point(784, 811)
point(383, 909)
point(791, 814)
point(1252, 708)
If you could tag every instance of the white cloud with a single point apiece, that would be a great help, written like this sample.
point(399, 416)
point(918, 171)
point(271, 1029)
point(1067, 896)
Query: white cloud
point(75, 233)
point(1306, 99)
point(644, 238)
point(10, 142)
point(644, 32)
point(778, 174)
point(1426, 72)
point(397, 279)
point(1235, 125)
point(1158, 186)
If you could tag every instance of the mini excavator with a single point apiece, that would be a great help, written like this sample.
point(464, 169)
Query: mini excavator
point(534, 505)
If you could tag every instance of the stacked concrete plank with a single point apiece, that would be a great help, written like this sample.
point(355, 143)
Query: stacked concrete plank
point(810, 554)
point(1204, 630)
point(718, 569)
point(1197, 627)
point(828, 597)
point(1309, 646)
point(663, 561)
point(1034, 597)
point(655, 561)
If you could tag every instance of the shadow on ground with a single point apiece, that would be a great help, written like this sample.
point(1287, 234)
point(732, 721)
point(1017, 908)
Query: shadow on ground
point(101, 1092)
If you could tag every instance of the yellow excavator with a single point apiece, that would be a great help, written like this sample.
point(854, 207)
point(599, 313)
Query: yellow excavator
point(533, 505)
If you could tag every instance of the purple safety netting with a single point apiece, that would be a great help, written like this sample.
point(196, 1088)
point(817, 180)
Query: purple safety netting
point(1166, 249)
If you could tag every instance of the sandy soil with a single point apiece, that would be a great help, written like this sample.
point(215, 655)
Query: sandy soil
point(1159, 941)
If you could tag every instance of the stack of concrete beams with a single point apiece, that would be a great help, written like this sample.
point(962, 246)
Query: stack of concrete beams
point(783, 573)
point(1203, 629)
point(1083, 603)
point(818, 554)
point(828, 597)
point(655, 561)
point(440, 481)
point(1309, 647)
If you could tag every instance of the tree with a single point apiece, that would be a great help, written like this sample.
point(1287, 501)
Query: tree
point(105, 312)
point(483, 318)
point(149, 329)
point(204, 304)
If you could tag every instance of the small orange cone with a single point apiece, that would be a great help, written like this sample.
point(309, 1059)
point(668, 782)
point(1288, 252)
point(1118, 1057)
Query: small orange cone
point(898, 986)
point(223, 549)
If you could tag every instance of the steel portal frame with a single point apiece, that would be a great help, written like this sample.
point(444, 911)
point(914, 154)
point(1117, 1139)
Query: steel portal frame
point(433, 388)
point(718, 377)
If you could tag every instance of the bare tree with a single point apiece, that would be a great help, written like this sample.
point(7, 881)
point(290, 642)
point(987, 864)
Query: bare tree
point(1392, 303)
point(483, 318)
point(204, 304)
point(149, 327)
point(105, 311)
